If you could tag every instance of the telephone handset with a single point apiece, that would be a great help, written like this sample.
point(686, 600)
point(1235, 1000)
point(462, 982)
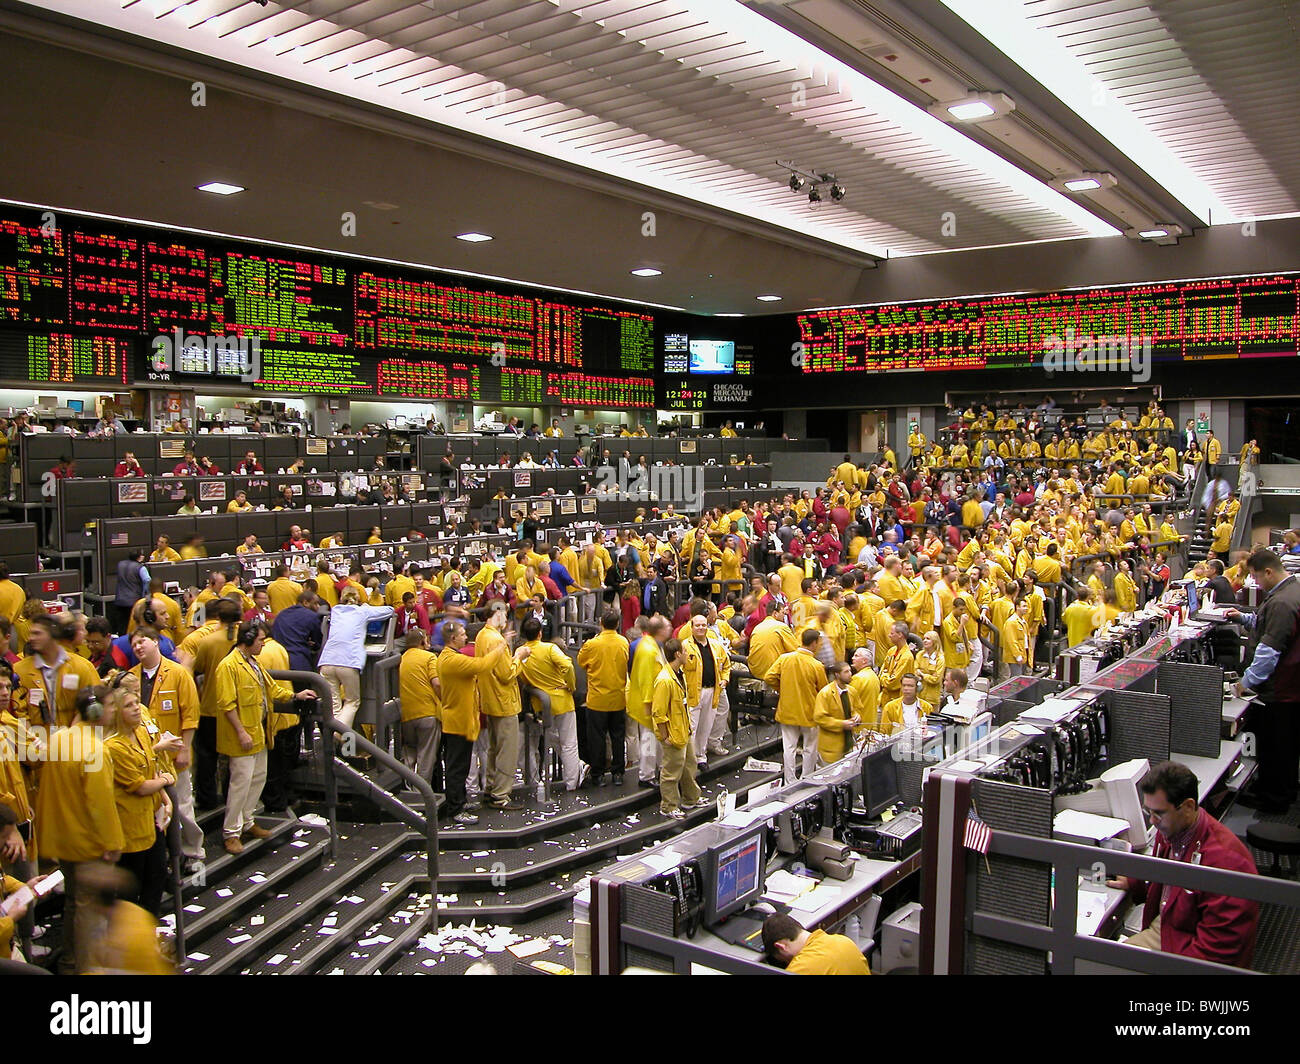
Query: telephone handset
point(685, 884)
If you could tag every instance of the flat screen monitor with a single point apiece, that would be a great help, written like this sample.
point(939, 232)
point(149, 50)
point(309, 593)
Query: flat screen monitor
point(77, 406)
point(737, 879)
point(880, 781)
point(1193, 598)
point(713, 356)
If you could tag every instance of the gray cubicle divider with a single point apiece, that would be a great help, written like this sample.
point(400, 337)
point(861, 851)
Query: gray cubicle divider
point(18, 547)
point(1010, 886)
point(1196, 693)
point(1140, 726)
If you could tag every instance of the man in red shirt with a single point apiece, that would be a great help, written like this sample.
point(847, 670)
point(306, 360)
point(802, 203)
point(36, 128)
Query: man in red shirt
point(187, 466)
point(248, 465)
point(129, 466)
point(1191, 923)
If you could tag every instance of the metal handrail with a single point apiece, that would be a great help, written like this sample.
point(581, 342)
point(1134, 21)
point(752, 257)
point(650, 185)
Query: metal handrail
point(176, 871)
point(544, 720)
point(320, 711)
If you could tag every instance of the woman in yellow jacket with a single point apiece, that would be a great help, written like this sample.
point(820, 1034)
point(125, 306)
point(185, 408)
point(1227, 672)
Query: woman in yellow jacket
point(244, 696)
point(550, 670)
point(930, 666)
point(647, 661)
point(142, 806)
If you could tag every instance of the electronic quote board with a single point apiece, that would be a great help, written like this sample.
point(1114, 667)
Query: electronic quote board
point(1255, 317)
point(89, 303)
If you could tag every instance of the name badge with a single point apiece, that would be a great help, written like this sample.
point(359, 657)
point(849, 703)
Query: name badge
point(36, 696)
point(167, 705)
point(71, 682)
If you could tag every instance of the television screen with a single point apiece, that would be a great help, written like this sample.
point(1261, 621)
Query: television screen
point(713, 356)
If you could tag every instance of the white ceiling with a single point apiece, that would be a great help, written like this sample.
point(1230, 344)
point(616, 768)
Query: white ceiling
point(554, 124)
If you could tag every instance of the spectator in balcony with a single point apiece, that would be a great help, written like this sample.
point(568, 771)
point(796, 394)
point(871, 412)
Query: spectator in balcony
point(129, 466)
point(188, 507)
point(344, 654)
point(207, 467)
point(163, 551)
point(239, 504)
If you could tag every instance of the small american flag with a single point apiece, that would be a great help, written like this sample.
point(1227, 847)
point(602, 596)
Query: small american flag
point(978, 834)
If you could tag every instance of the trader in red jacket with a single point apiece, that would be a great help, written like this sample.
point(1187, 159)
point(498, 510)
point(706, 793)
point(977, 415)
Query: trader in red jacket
point(1192, 923)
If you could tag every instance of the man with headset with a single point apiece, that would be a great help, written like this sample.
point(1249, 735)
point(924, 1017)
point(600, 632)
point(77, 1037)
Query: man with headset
point(244, 696)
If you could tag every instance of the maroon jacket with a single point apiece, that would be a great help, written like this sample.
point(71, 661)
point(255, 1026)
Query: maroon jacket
point(421, 620)
point(1211, 927)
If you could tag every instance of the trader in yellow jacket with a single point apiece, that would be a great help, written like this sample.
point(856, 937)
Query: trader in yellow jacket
point(835, 716)
point(770, 639)
point(51, 677)
point(244, 696)
point(897, 663)
point(647, 660)
point(797, 677)
point(460, 677)
point(907, 709)
point(865, 688)
point(77, 814)
point(167, 691)
point(707, 668)
point(498, 691)
point(421, 705)
point(1015, 640)
point(678, 790)
point(550, 670)
point(604, 659)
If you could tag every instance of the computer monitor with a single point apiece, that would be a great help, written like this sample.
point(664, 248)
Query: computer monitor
point(712, 356)
point(1193, 598)
point(734, 874)
point(77, 406)
point(880, 781)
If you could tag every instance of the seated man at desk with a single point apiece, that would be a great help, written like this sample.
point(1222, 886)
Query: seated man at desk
point(802, 952)
point(1191, 923)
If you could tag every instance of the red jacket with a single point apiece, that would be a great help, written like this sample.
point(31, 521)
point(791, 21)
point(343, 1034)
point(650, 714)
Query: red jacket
point(1211, 927)
point(404, 624)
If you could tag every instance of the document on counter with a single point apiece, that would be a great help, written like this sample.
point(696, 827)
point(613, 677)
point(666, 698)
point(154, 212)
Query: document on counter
point(822, 895)
point(782, 885)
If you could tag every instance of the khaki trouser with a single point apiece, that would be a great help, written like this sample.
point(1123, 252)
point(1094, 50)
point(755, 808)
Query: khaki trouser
point(80, 929)
point(792, 739)
point(502, 755)
point(345, 689)
point(247, 777)
point(191, 833)
point(676, 778)
point(420, 739)
point(1148, 938)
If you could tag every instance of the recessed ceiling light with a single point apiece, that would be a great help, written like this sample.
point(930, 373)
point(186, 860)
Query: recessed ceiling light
point(769, 299)
point(220, 188)
point(1151, 234)
point(646, 271)
point(1082, 184)
point(473, 238)
point(974, 107)
point(966, 112)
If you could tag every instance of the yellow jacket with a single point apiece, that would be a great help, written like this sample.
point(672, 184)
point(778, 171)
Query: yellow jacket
point(211, 651)
point(605, 659)
point(958, 641)
point(418, 684)
point(16, 747)
point(767, 642)
point(460, 675)
point(865, 686)
point(550, 669)
point(134, 764)
point(668, 706)
point(828, 715)
point(75, 805)
point(12, 597)
point(892, 719)
point(243, 686)
point(283, 593)
point(395, 589)
point(930, 668)
point(275, 658)
point(174, 701)
point(898, 662)
point(1015, 641)
point(498, 688)
point(590, 572)
point(797, 677)
point(70, 676)
point(647, 660)
point(1081, 620)
point(693, 669)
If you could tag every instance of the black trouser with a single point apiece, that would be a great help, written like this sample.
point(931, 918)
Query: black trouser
point(600, 725)
point(1277, 749)
point(149, 869)
point(119, 617)
point(456, 751)
point(205, 764)
point(281, 760)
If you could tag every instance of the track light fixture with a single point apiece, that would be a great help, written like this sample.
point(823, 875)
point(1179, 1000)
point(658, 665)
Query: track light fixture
point(815, 181)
